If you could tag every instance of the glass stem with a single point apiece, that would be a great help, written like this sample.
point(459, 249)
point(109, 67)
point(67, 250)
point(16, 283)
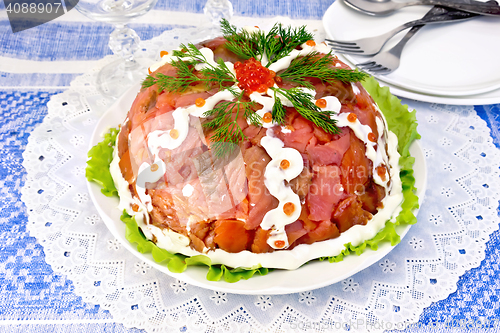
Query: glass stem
point(124, 41)
point(215, 10)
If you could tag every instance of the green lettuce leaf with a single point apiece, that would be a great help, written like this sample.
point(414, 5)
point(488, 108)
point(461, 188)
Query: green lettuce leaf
point(177, 263)
point(100, 157)
point(400, 121)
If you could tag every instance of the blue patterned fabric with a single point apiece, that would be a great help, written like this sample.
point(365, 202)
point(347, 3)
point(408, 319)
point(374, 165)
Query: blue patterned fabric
point(32, 296)
point(68, 41)
point(30, 290)
point(35, 80)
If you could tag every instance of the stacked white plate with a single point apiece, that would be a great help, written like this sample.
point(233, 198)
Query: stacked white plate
point(452, 63)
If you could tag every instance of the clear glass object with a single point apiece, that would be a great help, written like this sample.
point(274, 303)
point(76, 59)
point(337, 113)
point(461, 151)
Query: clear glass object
point(215, 10)
point(116, 77)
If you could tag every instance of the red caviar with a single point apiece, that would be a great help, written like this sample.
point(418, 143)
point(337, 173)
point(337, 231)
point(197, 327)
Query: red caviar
point(381, 171)
point(284, 164)
point(321, 103)
point(352, 117)
point(311, 43)
point(199, 102)
point(268, 117)
point(252, 76)
point(372, 137)
point(149, 71)
point(162, 53)
point(262, 88)
point(279, 244)
point(289, 208)
point(174, 134)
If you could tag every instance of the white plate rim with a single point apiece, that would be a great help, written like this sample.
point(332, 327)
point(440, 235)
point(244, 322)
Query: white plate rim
point(311, 276)
point(492, 97)
point(477, 96)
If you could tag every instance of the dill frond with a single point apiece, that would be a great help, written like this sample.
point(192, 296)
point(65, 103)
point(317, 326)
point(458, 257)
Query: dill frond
point(302, 102)
point(278, 112)
point(243, 44)
point(320, 67)
point(282, 40)
point(223, 120)
point(219, 75)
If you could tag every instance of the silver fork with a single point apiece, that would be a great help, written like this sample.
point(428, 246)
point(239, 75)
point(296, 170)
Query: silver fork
point(373, 45)
point(386, 62)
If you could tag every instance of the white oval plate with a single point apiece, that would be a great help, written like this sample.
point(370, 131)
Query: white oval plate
point(314, 274)
point(451, 59)
point(492, 97)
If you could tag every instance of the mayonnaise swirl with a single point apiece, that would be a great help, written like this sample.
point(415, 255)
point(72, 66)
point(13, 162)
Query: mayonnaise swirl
point(164, 139)
point(149, 173)
point(362, 132)
point(285, 164)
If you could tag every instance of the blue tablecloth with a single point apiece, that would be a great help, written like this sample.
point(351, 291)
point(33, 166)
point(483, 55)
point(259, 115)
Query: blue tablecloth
point(36, 299)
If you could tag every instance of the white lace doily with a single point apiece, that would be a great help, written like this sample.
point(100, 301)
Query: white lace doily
point(454, 223)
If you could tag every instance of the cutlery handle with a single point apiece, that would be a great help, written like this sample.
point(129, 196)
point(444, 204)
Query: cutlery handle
point(436, 10)
point(446, 16)
point(398, 48)
point(471, 6)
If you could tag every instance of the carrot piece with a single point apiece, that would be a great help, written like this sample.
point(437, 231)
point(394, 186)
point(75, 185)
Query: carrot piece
point(326, 230)
point(304, 217)
point(355, 167)
point(259, 244)
point(350, 212)
point(126, 167)
point(231, 235)
point(294, 231)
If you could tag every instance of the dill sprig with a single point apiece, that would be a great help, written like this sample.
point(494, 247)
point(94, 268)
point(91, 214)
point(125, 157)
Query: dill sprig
point(219, 75)
point(190, 51)
point(302, 102)
point(210, 75)
point(314, 65)
point(278, 112)
point(282, 40)
point(227, 132)
point(276, 44)
point(185, 77)
point(244, 44)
